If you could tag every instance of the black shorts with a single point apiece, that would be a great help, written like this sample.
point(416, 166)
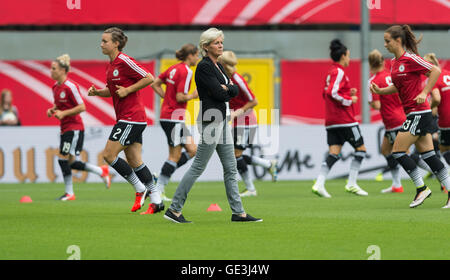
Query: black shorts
point(127, 133)
point(391, 135)
point(71, 142)
point(419, 124)
point(243, 137)
point(444, 137)
point(176, 132)
point(435, 124)
point(340, 135)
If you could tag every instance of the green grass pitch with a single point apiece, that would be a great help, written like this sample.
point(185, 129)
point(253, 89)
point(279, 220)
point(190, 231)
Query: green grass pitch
point(297, 224)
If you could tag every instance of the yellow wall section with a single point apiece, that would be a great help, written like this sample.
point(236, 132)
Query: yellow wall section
point(257, 72)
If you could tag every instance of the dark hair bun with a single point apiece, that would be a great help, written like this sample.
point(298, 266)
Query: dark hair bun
point(337, 50)
point(336, 44)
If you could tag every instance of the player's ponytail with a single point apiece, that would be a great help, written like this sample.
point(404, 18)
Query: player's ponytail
point(376, 59)
point(117, 35)
point(185, 51)
point(410, 39)
point(337, 50)
point(64, 62)
point(431, 57)
point(406, 35)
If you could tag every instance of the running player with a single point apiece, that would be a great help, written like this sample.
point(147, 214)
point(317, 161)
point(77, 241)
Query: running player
point(340, 121)
point(125, 77)
point(244, 125)
point(67, 107)
point(177, 79)
point(441, 99)
point(392, 114)
point(406, 70)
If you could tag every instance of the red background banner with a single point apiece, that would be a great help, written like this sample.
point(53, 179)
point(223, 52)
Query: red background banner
point(31, 86)
point(302, 83)
point(220, 12)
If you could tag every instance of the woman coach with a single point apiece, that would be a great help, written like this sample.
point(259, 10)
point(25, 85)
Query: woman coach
point(215, 89)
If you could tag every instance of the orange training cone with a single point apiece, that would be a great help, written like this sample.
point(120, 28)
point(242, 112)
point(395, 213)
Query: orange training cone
point(214, 207)
point(26, 199)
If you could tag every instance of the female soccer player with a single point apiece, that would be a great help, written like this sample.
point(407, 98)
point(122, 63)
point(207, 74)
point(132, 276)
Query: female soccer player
point(177, 79)
point(244, 125)
point(406, 70)
point(392, 114)
point(340, 121)
point(215, 91)
point(124, 78)
point(67, 108)
point(441, 99)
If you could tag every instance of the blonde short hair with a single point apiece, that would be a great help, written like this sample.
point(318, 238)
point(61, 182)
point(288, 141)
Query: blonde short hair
point(229, 60)
point(207, 37)
point(376, 59)
point(431, 57)
point(64, 62)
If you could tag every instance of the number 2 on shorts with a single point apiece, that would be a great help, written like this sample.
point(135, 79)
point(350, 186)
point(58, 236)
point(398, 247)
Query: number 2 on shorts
point(118, 131)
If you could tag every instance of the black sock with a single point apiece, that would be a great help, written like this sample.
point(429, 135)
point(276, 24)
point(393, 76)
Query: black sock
point(78, 165)
point(241, 165)
point(410, 167)
point(433, 161)
point(415, 157)
point(65, 167)
point(392, 163)
point(122, 167)
point(144, 174)
point(331, 160)
point(167, 169)
point(248, 159)
point(183, 159)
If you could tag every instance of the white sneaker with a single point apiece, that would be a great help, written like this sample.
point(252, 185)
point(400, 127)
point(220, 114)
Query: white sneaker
point(320, 191)
point(248, 193)
point(420, 197)
point(356, 190)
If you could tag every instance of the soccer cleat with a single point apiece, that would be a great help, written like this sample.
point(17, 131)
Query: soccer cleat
point(105, 176)
point(139, 201)
point(447, 205)
point(392, 189)
point(320, 191)
point(273, 170)
point(67, 197)
point(421, 194)
point(154, 208)
point(173, 218)
point(356, 190)
point(248, 193)
point(247, 218)
point(165, 198)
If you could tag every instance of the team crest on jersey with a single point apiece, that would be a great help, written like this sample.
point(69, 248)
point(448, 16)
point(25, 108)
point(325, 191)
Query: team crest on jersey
point(116, 73)
point(401, 68)
point(62, 94)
